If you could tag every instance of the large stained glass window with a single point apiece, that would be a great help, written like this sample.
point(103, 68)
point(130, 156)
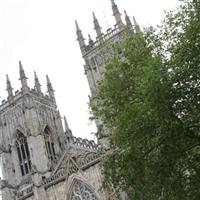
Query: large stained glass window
point(82, 192)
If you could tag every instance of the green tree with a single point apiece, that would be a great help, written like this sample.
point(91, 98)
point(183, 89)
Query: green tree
point(150, 102)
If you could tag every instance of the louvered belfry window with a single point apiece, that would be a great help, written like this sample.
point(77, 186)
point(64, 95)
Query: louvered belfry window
point(23, 154)
point(49, 144)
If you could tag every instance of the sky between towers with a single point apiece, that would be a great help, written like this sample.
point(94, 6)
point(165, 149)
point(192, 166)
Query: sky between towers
point(42, 35)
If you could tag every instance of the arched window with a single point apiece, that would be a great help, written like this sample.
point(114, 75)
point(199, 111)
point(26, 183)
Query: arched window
point(49, 144)
point(23, 154)
point(82, 192)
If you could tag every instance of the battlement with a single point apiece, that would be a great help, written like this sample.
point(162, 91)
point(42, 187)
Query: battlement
point(52, 180)
point(5, 103)
point(109, 35)
point(12, 98)
point(84, 144)
point(18, 95)
point(25, 193)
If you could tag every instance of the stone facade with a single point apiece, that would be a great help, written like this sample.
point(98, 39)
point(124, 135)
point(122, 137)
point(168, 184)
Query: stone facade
point(41, 159)
point(97, 54)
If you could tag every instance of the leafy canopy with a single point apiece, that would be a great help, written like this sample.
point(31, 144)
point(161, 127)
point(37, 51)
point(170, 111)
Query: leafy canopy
point(150, 102)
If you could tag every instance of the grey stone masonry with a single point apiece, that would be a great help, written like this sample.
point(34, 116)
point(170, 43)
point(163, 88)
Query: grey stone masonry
point(41, 160)
point(97, 53)
point(26, 117)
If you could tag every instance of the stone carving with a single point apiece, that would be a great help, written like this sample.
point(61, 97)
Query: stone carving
point(84, 143)
point(5, 184)
point(87, 158)
point(38, 166)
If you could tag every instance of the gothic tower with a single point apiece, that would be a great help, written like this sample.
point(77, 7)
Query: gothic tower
point(31, 131)
point(40, 159)
point(98, 52)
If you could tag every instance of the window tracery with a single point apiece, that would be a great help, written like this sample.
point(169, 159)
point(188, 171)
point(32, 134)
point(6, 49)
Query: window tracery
point(49, 144)
point(82, 192)
point(23, 154)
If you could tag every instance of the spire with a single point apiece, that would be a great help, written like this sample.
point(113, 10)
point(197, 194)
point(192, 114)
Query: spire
point(117, 15)
point(21, 71)
point(128, 21)
point(67, 129)
point(91, 42)
point(77, 26)
point(89, 37)
point(37, 83)
point(49, 85)
point(80, 38)
point(66, 124)
point(137, 27)
point(9, 87)
point(23, 79)
point(97, 27)
point(50, 89)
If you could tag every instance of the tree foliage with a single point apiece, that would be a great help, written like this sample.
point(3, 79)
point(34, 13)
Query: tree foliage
point(150, 102)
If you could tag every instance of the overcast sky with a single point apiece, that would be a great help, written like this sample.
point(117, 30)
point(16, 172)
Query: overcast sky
point(41, 33)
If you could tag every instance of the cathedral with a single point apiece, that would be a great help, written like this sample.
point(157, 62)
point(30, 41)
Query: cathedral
point(41, 159)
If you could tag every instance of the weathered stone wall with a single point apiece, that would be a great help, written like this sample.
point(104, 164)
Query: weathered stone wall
point(91, 177)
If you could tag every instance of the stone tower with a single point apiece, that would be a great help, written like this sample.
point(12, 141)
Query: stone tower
point(40, 159)
point(99, 51)
point(31, 131)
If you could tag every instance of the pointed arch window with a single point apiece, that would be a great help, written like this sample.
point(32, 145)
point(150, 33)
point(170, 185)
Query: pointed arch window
point(82, 192)
point(23, 154)
point(49, 144)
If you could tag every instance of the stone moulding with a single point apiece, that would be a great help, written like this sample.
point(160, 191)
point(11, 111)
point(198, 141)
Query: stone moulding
point(83, 162)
